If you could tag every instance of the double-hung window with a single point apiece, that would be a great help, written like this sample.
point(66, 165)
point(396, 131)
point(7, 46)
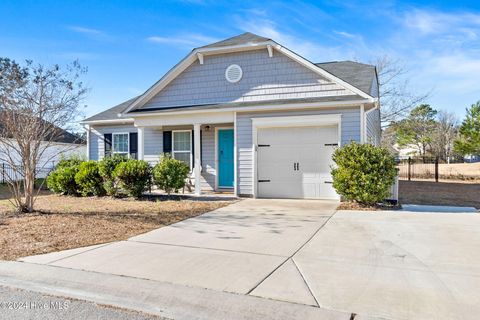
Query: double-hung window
point(182, 146)
point(120, 144)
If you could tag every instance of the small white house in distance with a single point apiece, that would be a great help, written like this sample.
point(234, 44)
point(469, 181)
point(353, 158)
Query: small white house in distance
point(249, 115)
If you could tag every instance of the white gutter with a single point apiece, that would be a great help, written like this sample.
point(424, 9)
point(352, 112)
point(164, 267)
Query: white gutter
point(120, 121)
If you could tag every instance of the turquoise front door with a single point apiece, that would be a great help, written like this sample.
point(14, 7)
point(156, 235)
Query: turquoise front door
point(225, 158)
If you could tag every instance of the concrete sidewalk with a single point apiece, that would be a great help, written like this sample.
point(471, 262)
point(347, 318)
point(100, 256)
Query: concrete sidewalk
point(158, 298)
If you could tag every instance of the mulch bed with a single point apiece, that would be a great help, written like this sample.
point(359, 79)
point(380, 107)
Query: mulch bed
point(360, 207)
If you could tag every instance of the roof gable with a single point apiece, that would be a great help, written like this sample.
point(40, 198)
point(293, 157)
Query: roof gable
point(357, 79)
point(264, 78)
point(246, 41)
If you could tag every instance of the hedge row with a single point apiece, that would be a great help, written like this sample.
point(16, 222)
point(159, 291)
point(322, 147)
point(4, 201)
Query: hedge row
point(113, 175)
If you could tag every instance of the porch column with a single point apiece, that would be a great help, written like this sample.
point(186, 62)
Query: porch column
point(196, 157)
point(140, 149)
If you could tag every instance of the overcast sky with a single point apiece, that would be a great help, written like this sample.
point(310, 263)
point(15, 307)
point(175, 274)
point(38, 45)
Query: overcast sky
point(128, 45)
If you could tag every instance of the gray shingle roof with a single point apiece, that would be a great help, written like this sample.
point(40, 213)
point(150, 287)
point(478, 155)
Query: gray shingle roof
point(357, 74)
point(111, 113)
point(244, 38)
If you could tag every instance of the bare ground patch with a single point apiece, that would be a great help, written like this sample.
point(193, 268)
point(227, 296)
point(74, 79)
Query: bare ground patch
point(70, 222)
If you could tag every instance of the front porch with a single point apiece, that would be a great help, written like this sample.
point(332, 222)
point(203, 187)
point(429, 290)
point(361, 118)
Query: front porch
point(208, 149)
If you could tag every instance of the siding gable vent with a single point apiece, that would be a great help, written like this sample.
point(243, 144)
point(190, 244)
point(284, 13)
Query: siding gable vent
point(233, 73)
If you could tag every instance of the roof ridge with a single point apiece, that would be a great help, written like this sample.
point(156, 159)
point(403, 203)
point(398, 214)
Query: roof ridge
point(241, 38)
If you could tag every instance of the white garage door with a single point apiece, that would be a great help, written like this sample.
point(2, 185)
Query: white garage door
point(294, 162)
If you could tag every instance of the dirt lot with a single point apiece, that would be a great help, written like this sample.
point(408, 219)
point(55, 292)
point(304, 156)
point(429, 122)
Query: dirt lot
point(70, 222)
point(440, 193)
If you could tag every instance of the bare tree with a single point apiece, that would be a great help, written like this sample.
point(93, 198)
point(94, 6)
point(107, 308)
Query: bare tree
point(446, 130)
point(35, 103)
point(396, 95)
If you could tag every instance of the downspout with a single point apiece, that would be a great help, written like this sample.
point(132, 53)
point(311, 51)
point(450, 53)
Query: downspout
point(362, 123)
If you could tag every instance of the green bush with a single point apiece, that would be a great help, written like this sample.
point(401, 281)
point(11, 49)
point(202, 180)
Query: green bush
point(62, 179)
point(106, 168)
point(52, 183)
point(65, 179)
point(363, 173)
point(170, 174)
point(133, 176)
point(68, 162)
point(89, 180)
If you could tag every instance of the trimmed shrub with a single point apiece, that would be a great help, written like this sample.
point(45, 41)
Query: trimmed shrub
point(363, 173)
point(170, 174)
point(106, 168)
point(89, 180)
point(133, 176)
point(65, 179)
point(62, 179)
point(52, 183)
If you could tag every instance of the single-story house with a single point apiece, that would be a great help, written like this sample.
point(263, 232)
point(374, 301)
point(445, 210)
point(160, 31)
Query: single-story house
point(247, 115)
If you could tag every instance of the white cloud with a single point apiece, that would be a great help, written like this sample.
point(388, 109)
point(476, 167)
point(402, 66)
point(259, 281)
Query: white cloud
point(186, 40)
point(434, 22)
point(453, 74)
point(90, 32)
point(344, 34)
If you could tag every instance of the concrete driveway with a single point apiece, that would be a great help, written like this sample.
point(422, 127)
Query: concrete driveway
point(394, 265)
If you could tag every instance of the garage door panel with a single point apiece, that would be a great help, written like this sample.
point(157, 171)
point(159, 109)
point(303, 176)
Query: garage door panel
point(310, 148)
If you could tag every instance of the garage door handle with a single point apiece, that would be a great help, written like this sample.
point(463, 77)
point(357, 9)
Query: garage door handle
point(329, 182)
point(263, 180)
point(296, 166)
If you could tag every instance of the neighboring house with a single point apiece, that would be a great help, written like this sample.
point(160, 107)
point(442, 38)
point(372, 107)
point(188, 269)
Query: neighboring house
point(247, 115)
point(65, 146)
point(404, 152)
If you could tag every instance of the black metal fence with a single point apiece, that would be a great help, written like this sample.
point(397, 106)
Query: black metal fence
point(421, 168)
point(7, 172)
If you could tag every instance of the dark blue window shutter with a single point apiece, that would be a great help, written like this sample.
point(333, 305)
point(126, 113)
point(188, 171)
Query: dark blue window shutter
point(133, 145)
point(107, 138)
point(167, 141)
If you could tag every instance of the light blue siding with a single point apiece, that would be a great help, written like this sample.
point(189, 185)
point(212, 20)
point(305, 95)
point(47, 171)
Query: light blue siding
point(97, 143)
point(350, 126)
point(153, 147)
point(264, 78)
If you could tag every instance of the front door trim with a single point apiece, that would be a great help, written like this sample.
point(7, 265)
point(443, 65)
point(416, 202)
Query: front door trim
point(290, 121)
point(217, 168)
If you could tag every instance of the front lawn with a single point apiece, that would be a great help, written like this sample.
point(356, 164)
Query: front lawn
point(71, 222)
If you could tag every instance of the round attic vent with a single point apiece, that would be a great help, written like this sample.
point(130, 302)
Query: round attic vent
point(233, 73)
